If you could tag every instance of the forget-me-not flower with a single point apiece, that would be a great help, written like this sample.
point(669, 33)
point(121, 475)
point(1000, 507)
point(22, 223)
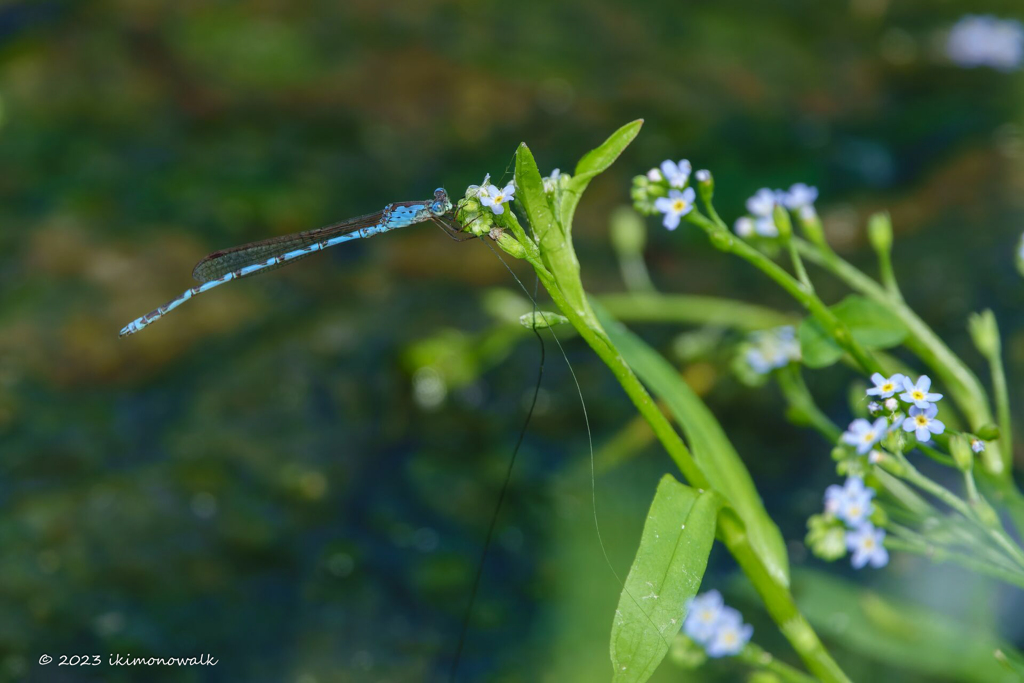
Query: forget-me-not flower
point(765, 226)
point(762, 203)
point(676, 205)
point(799, 196)
point(850, 502)
point(773, 349)
point(744, 226)
point(885, 386)
point(891, 404)
point(923, 423)
point(977, 445)
point(866, 543)
point(863, 434)
point(676, 174)
point(702, 615)
point(494, 198)
point(483, 189)
point(986, 41)
point(731, 636)
point(917, 393)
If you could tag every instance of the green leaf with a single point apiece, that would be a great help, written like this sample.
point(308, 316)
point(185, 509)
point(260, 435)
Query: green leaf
point(666, 573)
point(530, 193)
point(817, 349)
point(555, 245)
point(594, 162)
point(872, 325)
point(712, 451)
point(902, 634)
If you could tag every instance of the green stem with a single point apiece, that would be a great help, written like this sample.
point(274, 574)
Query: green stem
point(779, 602)
point(798, 266)
point(724, 240)
point(936, 455)
point(802, 404)
point(888, 275)
point(776, 597)
point(1002, 396)
point(963, 385)
point(757, 657)
point(691, 309)
point(939, 554)
point(997, 535)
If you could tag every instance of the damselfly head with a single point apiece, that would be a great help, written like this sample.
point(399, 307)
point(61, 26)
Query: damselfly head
point(441, 204)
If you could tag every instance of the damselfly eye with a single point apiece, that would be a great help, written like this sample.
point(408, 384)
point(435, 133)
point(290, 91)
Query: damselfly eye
point(437, 208)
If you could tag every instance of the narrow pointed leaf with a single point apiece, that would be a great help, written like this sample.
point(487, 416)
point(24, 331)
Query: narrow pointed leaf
point(593, 163)
point(666, 573)
point(712, 450)
point(556, 245)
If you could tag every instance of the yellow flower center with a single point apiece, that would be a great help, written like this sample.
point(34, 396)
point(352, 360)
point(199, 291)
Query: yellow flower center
point(869, 543)
point(869, 436)
point(921, 421)
point(854, 511)
point(887, 387)
point(499, 198)
point(678, 205)
point(729, 637)
point(917, 394)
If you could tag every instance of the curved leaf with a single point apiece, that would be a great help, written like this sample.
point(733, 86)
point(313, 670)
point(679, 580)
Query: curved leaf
point(593, 163)
point(666, 573)
point(712, 450)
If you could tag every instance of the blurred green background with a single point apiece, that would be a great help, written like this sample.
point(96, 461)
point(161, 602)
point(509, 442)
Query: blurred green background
point(295, 473)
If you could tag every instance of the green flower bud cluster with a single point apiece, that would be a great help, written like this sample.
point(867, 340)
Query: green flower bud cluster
point(473, 216)
point(646, 190)
point(826, 537)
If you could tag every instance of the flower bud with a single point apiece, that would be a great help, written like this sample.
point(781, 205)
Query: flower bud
point(892, 466)
point(879, 517)
point(811, 225)
point(686, 653)
point(782, 222)
point(880, 232)
point(628, 234)
point(988, 432)
point(705, 185)
point(826, 537)
point(509, 244)
point(985, 333)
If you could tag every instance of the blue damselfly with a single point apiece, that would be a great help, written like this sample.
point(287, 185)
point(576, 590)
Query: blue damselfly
point(260, 257)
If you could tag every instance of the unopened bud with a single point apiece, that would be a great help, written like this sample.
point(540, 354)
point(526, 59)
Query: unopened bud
point(988, 432)
point(705, 185)
point(984, 332)
point(880, 232)
point(628, 233)
point(782, 222)
point(509, 244)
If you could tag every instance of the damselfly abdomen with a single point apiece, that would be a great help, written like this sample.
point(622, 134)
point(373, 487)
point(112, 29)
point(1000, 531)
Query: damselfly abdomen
point(266, 255)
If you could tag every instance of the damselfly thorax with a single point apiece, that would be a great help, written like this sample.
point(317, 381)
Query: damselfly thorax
point(265, 255)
